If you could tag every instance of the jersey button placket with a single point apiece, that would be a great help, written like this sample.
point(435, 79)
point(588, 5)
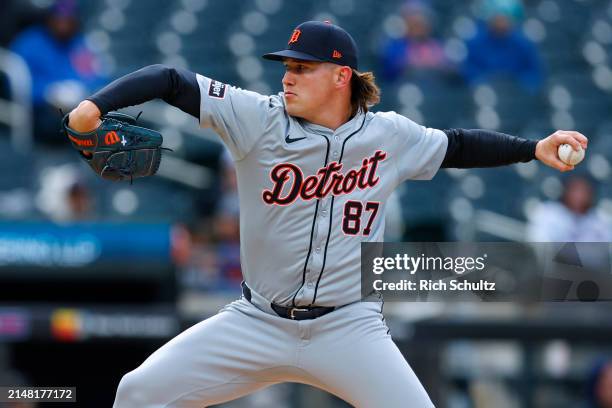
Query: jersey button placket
point(316, 263)
point(322, 226)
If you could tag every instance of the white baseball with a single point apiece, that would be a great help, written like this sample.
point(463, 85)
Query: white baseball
point(568, 155)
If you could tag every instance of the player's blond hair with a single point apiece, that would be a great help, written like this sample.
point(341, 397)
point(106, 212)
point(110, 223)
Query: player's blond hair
point(364, 91)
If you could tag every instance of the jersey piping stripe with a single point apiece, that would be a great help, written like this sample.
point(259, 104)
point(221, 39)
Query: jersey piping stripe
point(382, 306)
point(314, 220)
point(331, 213)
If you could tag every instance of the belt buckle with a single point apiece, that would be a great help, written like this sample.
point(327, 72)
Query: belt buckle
point(294, 309)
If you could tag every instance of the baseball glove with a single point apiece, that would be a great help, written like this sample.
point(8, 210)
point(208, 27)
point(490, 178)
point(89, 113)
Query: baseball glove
point(118, 149)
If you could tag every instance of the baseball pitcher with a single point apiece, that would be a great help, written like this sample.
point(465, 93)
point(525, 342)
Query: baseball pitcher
point(314, 169)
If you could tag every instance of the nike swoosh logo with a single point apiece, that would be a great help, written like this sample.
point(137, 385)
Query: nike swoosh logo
point(289, 140)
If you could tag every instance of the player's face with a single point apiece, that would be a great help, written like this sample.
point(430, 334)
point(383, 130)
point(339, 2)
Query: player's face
point(308, 87)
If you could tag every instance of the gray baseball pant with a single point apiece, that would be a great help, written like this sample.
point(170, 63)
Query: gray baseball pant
point(244, 348)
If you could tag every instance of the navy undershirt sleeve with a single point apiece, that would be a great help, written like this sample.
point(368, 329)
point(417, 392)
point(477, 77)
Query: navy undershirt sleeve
point(469, 148)
point(176, 86)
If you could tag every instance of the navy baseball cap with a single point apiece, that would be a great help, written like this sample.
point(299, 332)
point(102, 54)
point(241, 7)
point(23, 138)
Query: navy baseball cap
point(319, 41)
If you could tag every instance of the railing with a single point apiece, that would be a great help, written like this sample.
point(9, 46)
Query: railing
point(494, 224)
point(17, 112)
point(500, 225)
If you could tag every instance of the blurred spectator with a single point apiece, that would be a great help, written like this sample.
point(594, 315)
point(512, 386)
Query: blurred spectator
point(215, 257)
point(600, 386)
point(227, 234)
point(418, 51)
point(228, 200)
point(573, 219)
point(500, 49)
point(201, 270)
point(214, 261)
point(227, 223)
point(63, 69)
point(64, 196)
point(79, 202)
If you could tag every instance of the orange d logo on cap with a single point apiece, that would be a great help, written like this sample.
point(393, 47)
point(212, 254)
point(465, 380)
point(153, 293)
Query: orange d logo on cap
point(294, 36)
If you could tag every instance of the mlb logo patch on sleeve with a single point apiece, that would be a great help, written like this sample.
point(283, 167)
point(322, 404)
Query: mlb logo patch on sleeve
point(216, 89)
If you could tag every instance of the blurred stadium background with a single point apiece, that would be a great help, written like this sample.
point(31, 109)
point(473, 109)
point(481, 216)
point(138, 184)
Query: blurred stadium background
point(94, 276)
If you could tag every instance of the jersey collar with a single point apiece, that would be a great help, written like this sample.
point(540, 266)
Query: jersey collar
point(343, 131)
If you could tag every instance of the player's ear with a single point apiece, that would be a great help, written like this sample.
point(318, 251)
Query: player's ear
point(343, 76)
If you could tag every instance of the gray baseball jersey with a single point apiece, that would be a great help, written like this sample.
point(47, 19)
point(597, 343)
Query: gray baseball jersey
point(309, 195)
